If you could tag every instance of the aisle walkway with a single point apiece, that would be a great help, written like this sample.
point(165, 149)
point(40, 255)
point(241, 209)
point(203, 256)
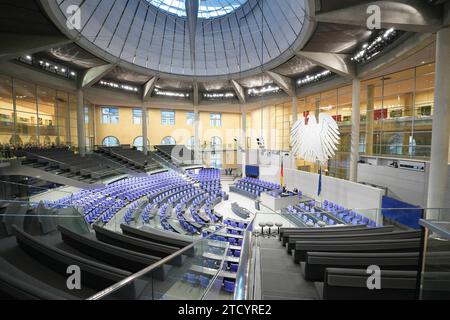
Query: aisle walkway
point(281, 278)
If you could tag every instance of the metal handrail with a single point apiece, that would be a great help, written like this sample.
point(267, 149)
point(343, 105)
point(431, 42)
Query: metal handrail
point(214, 279)
point(145, 271)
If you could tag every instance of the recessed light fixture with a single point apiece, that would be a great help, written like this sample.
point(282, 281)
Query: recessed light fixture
point(263, 90)
point(118, 86)
point(313, 78)
point(372, 49)
point(219, 95)
point(160, 92)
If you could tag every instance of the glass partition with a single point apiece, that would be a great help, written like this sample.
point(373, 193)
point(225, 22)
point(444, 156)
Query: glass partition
point(435, 277)
point(195, 272)
point(37, 219)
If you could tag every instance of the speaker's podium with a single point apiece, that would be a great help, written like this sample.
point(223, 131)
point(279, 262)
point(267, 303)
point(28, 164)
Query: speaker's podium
point(278, 201)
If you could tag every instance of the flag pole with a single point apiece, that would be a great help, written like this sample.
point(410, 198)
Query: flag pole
point(319, 189)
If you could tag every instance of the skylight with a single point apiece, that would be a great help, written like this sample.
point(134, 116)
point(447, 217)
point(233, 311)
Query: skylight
point(208, 9)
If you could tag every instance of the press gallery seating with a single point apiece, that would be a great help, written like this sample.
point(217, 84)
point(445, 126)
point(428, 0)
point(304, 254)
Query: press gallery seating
point(177, 154)
point(130, 157)
point(66, 162)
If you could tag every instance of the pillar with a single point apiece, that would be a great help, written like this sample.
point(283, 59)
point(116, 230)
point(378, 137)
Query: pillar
point(243, 140)
point(354, 157)
point(197, 153)
point(294, 110)
point(317, 109)
point(144, 128)
point(437, 182)
point(81, 125)
point(370, 119)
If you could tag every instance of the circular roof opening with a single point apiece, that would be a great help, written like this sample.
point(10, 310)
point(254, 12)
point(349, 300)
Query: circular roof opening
point(208, 9)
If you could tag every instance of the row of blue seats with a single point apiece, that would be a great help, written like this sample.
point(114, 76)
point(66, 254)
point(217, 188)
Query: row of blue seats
point(235, 224)
point(107, 201)
point(261, 183)
point(204, 281)
point(230, 239)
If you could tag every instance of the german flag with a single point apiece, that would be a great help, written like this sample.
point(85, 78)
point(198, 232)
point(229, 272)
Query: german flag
point(282, 174)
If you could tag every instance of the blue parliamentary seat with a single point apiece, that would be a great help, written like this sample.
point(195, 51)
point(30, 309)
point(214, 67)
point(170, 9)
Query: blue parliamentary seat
point(204, 281)
point(228, 286)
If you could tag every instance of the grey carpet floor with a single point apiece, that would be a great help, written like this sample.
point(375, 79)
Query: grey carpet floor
point(282, 279)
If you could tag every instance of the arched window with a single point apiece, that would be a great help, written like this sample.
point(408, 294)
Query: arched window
point(190, 144)
point(139, 143)
point(168, 141)
point(110, 142)
point(216, 143)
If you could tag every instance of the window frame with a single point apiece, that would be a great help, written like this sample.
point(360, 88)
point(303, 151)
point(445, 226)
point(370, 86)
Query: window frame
point(111, 116)
point(107, 137)
point(165, 120)
point(190, 118)
point(136, 119)
point(215, 119)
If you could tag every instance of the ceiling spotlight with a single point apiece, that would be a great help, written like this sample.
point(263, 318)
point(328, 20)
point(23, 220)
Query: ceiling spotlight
point(72, 73)
point(28, 57)
point(372, 49)
point(63, 70)
point(47, 64)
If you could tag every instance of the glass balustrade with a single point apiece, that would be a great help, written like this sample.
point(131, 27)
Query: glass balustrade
point(199, 271)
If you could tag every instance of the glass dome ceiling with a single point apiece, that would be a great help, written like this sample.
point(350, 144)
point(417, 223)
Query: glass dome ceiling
point(139, 36)
point(207, 8)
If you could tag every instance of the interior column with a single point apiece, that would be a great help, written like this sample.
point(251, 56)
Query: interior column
point(437, 182)
point(81, 125)
point(243, 140)
point(354, 156)
point(144, 128)
point(197, 154)
point(370, 119)
point(294, 111)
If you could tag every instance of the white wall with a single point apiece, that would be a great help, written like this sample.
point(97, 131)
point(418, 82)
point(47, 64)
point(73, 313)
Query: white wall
point(405, 185)
point(343, 192)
